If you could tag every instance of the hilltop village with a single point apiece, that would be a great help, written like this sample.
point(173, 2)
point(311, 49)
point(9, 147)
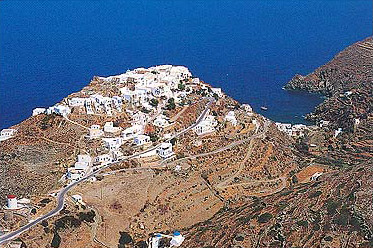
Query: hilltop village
point(145, 97)
point(157, 120)
point(155, 157)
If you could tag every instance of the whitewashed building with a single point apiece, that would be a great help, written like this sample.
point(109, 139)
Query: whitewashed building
point(7, 133)
point(95, 132)
point(59, 110)
point(161, 121)
point(76, 101)
point(206, 126)
point(84, 162)
point(89, 107)
point(118, 103)
point(113, 143)
point(38, 111)
point(104, 159)
point(141, 139)
point(131, 132)
point(231, 118)
point(109, 128)
point(217, 91)
point(165, 150)
point(337, 132)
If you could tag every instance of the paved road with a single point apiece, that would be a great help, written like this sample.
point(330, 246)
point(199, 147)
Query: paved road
point(61, 195)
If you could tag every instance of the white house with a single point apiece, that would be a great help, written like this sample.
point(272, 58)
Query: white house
point(38, 111)
point(81, 166)
point(337, 132)
point(7, 134)
point(195, 81)
point(117, 102)
point(59, 109)
point(315, 176)
point(84, 162)
point(231, 118)
point(88, 106)
point(104, 159)
point(257, 124)
point(131, 132)
point(217, 91)
point(206, 126)
point(161, 121)
point(77, 198)
point(211, 120)
point(324, 123)
point(95, 132)
point(75, 174)
point(139, 118)
point(141, 139)
point(176, 240)
point(113, 143)
point(298, 130)
point(109, 128)
point(284, 127)
point(165, 150)
point(76, 101)
point(137, 96)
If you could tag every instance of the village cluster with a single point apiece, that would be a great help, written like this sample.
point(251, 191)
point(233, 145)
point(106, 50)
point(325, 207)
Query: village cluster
point(145, 93)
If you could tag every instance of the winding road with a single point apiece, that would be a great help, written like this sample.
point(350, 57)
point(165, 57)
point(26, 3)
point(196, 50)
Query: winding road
point(61, 194)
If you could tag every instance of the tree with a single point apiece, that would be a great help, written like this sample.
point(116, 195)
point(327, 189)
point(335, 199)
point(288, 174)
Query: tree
point(173, 141)
point(181, 86)
point(171, 104)
point(153, 137)
point(154, 102)
point(56, 241)
point(124, 239)
point(264, 217)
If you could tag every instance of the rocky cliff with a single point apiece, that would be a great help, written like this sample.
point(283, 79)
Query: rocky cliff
point(347, 82)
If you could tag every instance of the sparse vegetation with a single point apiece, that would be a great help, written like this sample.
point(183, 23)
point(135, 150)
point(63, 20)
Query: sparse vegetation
point(263, 218)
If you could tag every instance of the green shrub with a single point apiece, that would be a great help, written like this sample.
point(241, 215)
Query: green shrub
point(263, 218)
point(87, 216)
point(56, 241)
point(332, 206)
point(66, 222)
point(154, 102)
point(315, 194)
point(124, 239)
point(328, 238)
point(302, 223)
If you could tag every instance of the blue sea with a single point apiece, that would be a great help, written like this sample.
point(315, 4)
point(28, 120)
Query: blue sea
point(49, 49)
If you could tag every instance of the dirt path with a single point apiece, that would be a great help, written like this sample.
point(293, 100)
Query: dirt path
point(179, 114)
point(76, 123)
point(240, 168)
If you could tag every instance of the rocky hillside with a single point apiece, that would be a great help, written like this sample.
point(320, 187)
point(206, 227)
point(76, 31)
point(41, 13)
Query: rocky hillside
point(349, 69)
point(336, 211)
point(347, 82)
